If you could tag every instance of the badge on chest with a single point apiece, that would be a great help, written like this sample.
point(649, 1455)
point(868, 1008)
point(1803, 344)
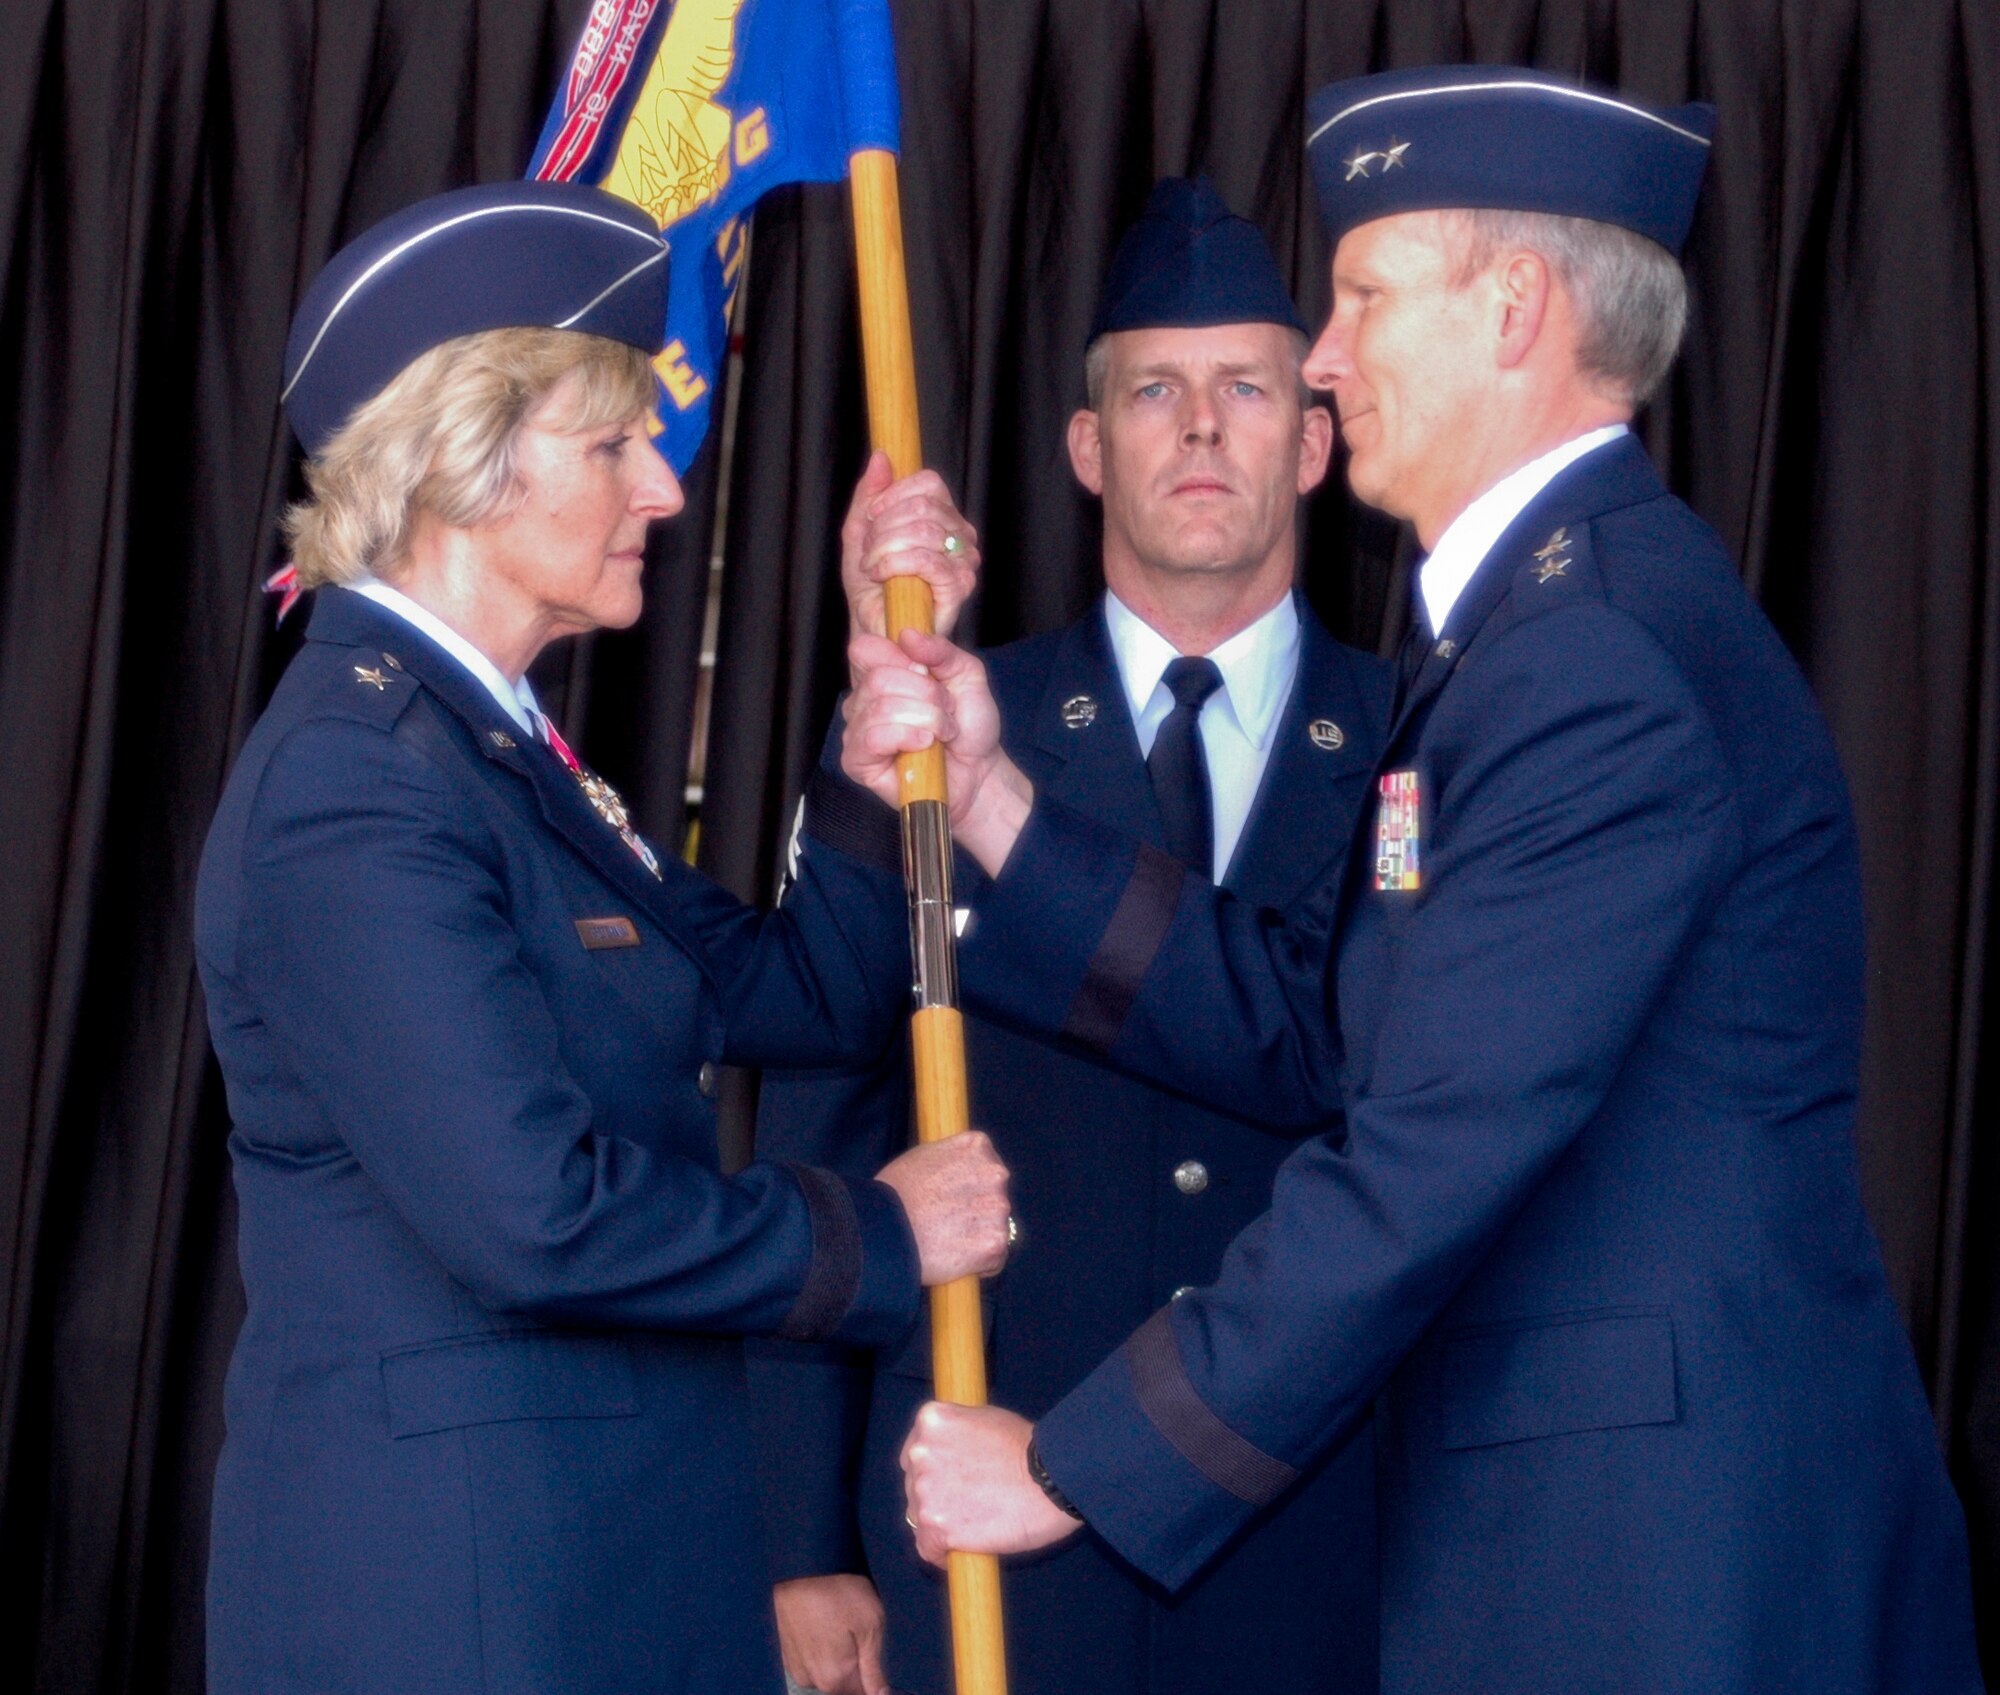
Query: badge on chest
point(616, 931)
point(1398, 832)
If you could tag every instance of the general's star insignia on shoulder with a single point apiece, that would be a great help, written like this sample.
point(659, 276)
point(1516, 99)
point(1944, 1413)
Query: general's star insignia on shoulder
point(369, 674)
point(1554, 556)
point(1398, 832)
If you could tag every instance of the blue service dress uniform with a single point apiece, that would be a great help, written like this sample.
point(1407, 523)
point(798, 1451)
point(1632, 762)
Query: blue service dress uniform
point(487, 1416)
point(1590, 1240)
point(1124, 1193)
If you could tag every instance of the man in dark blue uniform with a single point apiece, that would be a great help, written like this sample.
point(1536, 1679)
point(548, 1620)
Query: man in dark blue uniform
point(1590, 1238)
point(1203, 709)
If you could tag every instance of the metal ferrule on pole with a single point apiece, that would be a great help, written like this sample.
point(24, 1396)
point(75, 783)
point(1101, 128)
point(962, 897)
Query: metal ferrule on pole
point(927, 875)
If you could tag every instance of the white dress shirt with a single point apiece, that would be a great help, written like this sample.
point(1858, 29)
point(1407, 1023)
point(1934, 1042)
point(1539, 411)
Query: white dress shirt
point(1470, 537)
point(517, 700)
point(1238, 722)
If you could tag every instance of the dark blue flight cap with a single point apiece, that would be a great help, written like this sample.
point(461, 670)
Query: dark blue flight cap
point(553, 255)
point(1190, 262)
point(1511, 140)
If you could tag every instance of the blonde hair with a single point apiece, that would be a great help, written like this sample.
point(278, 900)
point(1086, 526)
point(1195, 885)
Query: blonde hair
point(441, 438)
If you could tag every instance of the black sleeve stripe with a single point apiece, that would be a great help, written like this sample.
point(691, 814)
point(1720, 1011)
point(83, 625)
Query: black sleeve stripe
point(1125, 955)
point(834, 1277)
point(846, 816)
point(1186, 1420)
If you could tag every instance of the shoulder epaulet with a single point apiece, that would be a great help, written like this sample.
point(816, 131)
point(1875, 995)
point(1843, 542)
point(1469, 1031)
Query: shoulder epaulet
point(1559, 570)
point(367, 686)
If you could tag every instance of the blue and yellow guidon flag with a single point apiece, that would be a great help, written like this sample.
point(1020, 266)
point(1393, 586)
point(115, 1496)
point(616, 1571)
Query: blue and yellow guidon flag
point(692, 109)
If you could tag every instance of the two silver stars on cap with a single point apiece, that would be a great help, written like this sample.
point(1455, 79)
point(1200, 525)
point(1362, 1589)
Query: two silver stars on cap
point(1389, 158)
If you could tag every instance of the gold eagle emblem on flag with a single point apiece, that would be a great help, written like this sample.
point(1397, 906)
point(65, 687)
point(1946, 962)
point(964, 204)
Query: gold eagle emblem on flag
point(674, 154)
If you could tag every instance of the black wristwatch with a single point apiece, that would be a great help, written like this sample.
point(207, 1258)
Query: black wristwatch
point(1047, 1484)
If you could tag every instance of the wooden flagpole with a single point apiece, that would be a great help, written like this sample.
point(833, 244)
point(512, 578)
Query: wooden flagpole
point(937, 1032)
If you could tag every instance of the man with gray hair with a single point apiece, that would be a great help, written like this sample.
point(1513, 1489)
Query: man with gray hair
point(1590, 1238)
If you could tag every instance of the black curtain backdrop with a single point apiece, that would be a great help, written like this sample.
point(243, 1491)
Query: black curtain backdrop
point(172, 172)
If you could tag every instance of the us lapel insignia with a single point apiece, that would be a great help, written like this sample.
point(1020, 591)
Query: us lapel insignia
point(1398, 832)
point(1554, 556)
point(368, 674)
point(1079, 712)
point(501, 738)
point(1326, 735)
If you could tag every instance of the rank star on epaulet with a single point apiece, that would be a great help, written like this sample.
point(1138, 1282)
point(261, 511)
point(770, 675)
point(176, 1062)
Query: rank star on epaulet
point(369, 674)
point(1554, 556)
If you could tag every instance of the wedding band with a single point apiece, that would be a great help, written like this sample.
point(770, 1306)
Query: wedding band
point(951, 542)
point(1013, 1231)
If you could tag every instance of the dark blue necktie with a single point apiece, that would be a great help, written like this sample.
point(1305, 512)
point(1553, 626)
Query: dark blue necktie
point(1179, 768)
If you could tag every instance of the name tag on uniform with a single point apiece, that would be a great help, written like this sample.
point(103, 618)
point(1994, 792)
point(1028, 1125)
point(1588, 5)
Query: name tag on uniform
point(1398, 833)
point(618, 932)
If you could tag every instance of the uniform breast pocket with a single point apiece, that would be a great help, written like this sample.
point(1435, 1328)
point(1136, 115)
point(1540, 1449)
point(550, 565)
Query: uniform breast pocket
point(505, 1376)
point(1607, 1369)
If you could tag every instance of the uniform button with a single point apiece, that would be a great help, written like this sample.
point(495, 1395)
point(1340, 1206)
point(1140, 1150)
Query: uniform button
point(1184, 1289)
point(1190, 1177)
point(704, 1079)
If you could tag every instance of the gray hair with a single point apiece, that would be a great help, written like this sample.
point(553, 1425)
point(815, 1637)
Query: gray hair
point(1630, 294)
point(441, 437)
point(1097, 365)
